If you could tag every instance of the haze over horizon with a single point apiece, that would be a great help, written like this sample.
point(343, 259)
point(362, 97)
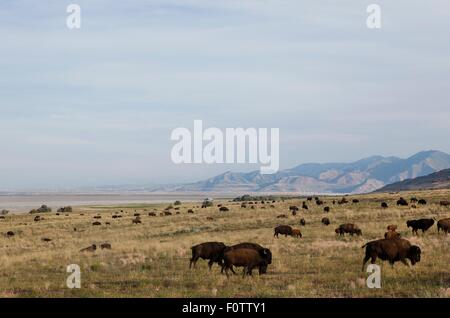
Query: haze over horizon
point(96, 106)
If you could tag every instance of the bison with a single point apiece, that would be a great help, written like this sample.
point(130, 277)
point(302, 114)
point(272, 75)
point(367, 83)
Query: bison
point(224, 209)
point(421, 224)
point(247, 258)
point(91, 248)
point(283, 229)
point(444, 203)
point(325, 221)
point(422, 202)
point(348, 228)
point(444, 225)
point(304, 206)
point(211, 251)
point(384, 205)
point(326, 209)
point(293, 208)
point(302, 222)
point(96, 223)
point(253, 246)
point(296, 233)
point(402, 202)
point(281, 216)
point(105, 246)
point(392, 251)
point(355, 201)
point(391, 227)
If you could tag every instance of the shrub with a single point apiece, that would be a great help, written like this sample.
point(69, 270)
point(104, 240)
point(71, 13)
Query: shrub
point(177, 202)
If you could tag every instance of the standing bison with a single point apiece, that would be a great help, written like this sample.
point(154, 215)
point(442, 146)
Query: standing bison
point(444, 225)
point(402, 202)
point(247, 258)
point(283, 229)
point(421, 224)
point(348, 228)
point(384, 205)
point(211, 251)
point(254, 246)
point(392, 251)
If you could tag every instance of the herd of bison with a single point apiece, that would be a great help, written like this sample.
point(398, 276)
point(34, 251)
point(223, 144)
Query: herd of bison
point(392, 248)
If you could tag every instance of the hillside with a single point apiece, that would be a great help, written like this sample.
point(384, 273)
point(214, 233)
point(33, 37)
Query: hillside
point(436, 180)
point(362, 176)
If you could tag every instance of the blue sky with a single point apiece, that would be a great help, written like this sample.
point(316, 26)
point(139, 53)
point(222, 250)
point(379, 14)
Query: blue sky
point(97, 105)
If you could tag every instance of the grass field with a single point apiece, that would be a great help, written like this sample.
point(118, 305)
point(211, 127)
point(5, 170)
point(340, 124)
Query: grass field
point(152, 259)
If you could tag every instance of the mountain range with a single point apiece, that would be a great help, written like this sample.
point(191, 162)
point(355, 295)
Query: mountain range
point(365, 175)
point(435, 180)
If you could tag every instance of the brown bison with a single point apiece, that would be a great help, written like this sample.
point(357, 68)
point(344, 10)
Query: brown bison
point(348, 228)
point(391, 227)
point(293, 208)
point(151, 214)
point(302, 222)
point(384, 205)
point(96, 223)
point(211, 251)
point(391, 235)
point(392, 251)
point(355, 201)
point(325, 221)
point(247, 258)
point(254, 246)
point(402, 202)
point(106, 246)
point(444, 225)
point(283, 229)
point(326, 209)
point(444, 203)
point(296, 233)
point(304, 206)
point(281, 216)
point(136, 221)
point(190, 211)
point(224, 209)
point(421, 224)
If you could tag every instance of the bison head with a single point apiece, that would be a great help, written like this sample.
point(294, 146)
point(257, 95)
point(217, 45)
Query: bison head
point(266, 254)
point(414, 254)
point(409, 223)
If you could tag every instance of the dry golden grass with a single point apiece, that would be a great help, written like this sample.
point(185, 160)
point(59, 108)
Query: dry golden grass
point(152, 259)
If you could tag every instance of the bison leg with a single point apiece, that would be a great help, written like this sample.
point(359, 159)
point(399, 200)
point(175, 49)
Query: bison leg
point(366, 258)
point(210, 264)
point(193, 261)
point(405, 262)
point(232, 270)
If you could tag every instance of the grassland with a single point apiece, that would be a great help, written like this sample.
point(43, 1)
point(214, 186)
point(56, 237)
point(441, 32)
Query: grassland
point(152, 259)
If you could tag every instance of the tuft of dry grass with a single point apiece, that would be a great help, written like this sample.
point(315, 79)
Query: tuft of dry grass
point(152, 259)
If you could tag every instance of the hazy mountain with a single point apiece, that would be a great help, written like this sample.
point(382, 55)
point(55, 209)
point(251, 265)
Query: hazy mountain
point(364, 175)
point(436, 180)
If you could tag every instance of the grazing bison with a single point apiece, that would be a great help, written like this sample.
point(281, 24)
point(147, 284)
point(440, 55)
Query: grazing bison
point(296, 233)
point(211, 251)
point(282, 216)
point(96, 223)
point(105, 246)
point(137, 214)
point(348, 228)
point(355, 201)
point(243, 205)
point(444, 225)
point(309, 198)
point(91, 248)
point(254, 246)
point(283, 229)
point(37, 218)
point(413, 199)
point(224, 209)
point(191, 211)
point(326, 221)
point(342, 201)
point(247, 258)
point(444, 203)
point(402, 202)
point(10, 234)
point(319, 202)
point(384, 205)
point(136, 221)
point(97, 217)
point(392, 251)
point(326, 209)
point(422, 202)
point(391, 235)
point(293, 208)
point(304, 206)
point(302, 222)
point(421, 224)
point(151, 214)
point(46, 239)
